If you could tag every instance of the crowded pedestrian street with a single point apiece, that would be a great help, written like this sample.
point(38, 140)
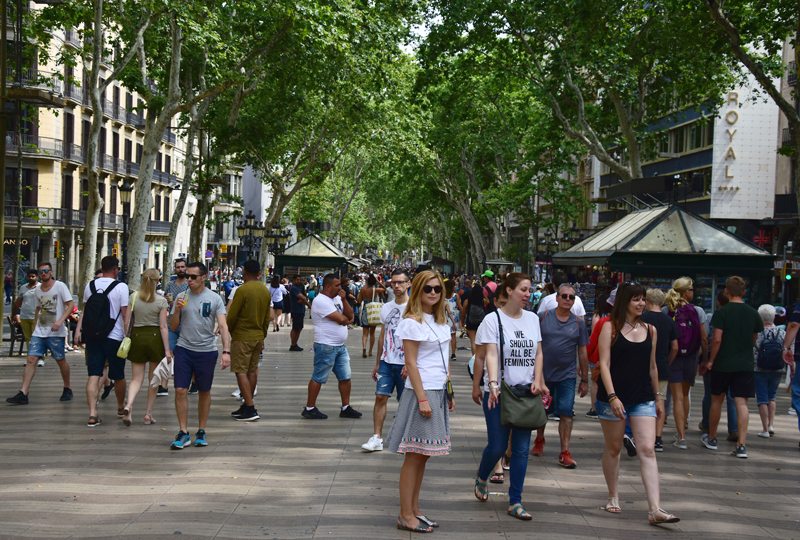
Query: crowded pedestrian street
point(285, 476)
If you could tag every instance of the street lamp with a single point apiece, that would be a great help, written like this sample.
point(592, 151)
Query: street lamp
point(125, 191)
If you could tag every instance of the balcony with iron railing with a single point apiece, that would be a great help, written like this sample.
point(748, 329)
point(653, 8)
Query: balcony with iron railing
point(71, 38)
point(786, 138)
point(158, 227)
point(45, 147)
point(110, 221)
point(73, 152)
point(133, 118)
point(35, 215)
point(73, 93)
point(791, 76)
point(34, 78)
point(169, 137)
point(131, 168)
point(120, 113)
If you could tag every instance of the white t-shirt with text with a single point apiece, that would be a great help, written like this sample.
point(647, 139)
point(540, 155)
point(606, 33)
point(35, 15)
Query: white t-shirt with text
point(521, 340)
point(326, 331)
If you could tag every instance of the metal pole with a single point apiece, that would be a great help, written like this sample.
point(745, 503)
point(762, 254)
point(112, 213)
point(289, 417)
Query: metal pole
point(126, 210)
point(3, 59)
point(784, 283)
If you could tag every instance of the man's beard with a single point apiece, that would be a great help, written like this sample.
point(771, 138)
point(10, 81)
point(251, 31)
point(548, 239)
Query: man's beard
point(181, 275)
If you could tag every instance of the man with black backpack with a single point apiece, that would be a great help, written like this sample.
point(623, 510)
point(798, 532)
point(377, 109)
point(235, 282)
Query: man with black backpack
point(53, 304)
point(105, 305)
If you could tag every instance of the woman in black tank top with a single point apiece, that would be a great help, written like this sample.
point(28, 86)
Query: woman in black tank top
point(628, 389)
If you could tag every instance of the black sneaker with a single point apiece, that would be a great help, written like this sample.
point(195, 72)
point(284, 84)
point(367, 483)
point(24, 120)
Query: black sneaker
point(740, 452)
point(592, 414)
point(630, 446)
point(239, 411)
point(659, 446)
point(162, 391)
point(452, 357)
point(313, 414)
point(295, 348)
point(248, 415)
point(107, 390)
point(19, 399)
point(349, 412)
point(193, 389)
point(66, 395)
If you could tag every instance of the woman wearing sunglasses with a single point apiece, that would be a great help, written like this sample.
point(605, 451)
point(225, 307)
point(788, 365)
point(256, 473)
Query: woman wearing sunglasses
point(421, 428)
point(522, 368)
point(628, 389)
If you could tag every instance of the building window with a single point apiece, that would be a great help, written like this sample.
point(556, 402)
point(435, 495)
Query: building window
point(166, 208)
point(695, 136)
point(112, 200)
point(679, 140)
point(157, 207)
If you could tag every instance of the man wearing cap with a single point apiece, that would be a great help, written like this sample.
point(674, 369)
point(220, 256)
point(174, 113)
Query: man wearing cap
point(489, 288)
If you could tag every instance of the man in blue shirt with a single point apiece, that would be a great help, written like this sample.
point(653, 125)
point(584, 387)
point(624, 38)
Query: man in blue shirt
point(299, 303)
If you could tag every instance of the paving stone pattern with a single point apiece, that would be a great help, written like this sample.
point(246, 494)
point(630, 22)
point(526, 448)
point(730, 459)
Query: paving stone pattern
point(286, 477)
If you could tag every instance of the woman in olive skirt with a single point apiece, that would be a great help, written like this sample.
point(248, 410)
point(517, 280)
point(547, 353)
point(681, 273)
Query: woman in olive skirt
point(421, 428)
point(149, 340)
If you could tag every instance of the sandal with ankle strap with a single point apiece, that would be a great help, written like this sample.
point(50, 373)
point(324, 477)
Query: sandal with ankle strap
point(613, 505)
point(481, 491)
point(420, 528)
point(670, 517)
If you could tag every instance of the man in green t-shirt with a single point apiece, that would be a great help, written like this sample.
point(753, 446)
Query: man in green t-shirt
point(731, 362)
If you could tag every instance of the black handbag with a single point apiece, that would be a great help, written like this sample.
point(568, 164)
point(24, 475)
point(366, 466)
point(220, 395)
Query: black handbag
point(519, 408)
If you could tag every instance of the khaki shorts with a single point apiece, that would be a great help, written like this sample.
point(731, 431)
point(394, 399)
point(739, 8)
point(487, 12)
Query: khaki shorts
point(245, 355)
point(28, 326)
point(662, 389)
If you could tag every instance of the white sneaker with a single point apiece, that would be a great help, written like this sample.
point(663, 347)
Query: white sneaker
point(764, 435)
point(792, 411)
point(255, 391)
point(374, 444)
point(237, 394)
point(40, 363)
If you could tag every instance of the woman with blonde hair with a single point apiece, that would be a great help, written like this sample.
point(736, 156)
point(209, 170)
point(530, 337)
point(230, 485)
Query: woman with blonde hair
point(421, 428)
point(691, 338)
point(149, 340)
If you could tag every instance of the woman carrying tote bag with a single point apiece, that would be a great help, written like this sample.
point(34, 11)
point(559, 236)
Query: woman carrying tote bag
point(522, 370)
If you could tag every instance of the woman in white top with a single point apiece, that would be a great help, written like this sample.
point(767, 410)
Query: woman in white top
point(421, 428)
point(522, 370)
point(276, 291)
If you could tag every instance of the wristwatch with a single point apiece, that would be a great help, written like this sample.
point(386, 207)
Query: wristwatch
point(226, 352)
point(787, 348)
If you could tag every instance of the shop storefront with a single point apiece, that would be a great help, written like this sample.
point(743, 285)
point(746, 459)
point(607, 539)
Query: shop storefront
point(656, 246)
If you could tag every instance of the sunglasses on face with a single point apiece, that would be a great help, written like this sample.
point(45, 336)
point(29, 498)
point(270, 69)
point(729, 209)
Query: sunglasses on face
point(568, 296)
point(44, 271)
point(192, 276)
point(437, 289)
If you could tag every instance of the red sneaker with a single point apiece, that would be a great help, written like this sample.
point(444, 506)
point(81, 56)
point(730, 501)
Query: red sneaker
point(566, 461)
point(538, 447)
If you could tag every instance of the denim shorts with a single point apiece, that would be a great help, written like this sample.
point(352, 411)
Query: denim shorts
point(173, 338)
point(329, 358)
point(683, 369)
point(646, 408)
point(277, 305)
point(563, 393)
point(389, 378)
point(103, 351)
point(199, 364)
point(38, 346)
point(767, 386)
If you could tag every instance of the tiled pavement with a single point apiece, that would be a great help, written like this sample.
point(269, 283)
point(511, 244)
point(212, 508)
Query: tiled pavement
point(285, 477)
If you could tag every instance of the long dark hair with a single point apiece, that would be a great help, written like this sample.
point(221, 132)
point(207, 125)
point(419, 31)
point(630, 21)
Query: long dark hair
point(625, 293)
point(276, 281)
point(602, 307)
point(476, 296)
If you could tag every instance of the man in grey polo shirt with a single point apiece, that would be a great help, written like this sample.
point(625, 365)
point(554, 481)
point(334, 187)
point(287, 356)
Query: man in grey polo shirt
point(562, 333)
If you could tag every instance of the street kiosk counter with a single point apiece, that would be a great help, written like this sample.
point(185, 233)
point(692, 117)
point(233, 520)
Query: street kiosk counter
point(658, 245)
point(311, 255)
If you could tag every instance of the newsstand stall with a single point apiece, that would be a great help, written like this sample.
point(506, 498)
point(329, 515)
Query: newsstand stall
point(658, 245)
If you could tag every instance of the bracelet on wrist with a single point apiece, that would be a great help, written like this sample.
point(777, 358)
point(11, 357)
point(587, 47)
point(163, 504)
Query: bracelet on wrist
point(612, 395)
point(421, 400)
point(612, 398)
point(584, 381)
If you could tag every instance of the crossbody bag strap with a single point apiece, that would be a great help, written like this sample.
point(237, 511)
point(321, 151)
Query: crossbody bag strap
point(502, 342)
point(444, 364)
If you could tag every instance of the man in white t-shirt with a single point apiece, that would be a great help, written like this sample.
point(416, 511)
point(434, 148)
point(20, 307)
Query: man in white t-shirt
point(104, 349)
point(53, 306)
point(330, 315)
point(550, 302)
point(390, 370)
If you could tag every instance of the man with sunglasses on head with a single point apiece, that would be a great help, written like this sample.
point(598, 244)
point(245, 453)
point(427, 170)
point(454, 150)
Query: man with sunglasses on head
point(331, 314)
point(390, 370)
point(197, 312)
point(53, 306)
point(562, 334)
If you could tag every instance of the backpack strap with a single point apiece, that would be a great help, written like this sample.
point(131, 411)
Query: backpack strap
point(92, 287)
point(502, 341)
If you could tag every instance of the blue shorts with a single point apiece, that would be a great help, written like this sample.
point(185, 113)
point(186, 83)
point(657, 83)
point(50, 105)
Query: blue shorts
point(38, 346)
point(683, 369)
point(173, 338)
point(278, 305)
point(563, 393)
point(100, 352)
point(389, 378)
point(646, 408)
point(328, 358)
point(199, 364)
point(767, 386)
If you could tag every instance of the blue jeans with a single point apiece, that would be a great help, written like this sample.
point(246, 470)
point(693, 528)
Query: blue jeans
point(173, 338)
point(498, 443)
point(329, 358)
point(733, 416)
point(390, 378)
